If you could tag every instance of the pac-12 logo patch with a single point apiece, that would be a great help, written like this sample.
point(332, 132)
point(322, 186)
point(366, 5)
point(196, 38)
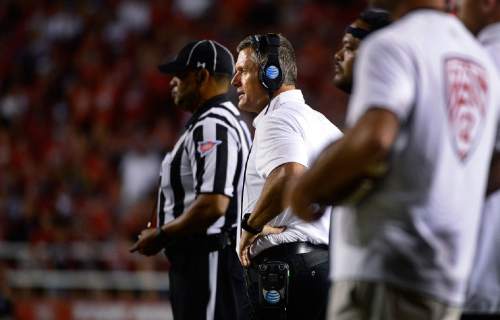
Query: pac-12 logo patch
point(207, 146)
point(467, 98)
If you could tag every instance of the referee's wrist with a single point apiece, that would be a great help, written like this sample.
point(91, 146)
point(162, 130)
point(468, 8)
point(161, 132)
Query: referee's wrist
point(162, 235)
point(248, 228)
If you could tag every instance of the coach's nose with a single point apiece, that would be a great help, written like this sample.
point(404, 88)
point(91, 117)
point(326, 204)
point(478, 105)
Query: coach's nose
point(338, 56)
point(236, 80)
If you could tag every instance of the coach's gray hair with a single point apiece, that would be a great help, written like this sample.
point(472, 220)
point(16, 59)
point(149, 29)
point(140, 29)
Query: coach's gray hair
point(286, 56)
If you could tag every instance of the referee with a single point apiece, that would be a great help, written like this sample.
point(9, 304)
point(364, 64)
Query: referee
point(201, 180)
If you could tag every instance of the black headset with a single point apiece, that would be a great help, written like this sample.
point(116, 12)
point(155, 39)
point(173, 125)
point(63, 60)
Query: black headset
point(270, 74)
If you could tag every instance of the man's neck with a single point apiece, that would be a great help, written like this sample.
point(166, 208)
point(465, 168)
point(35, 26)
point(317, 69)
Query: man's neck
point(283, 88)
point(205, 96)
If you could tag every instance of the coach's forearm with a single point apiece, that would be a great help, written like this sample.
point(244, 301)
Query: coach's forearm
point(204, 211)
point(270, 203)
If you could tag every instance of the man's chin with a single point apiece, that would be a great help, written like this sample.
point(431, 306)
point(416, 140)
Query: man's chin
point(337, 81)
point(343, 85)
point(244, 107)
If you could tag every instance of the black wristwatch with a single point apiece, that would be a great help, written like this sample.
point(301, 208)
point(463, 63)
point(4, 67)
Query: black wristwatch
point(246, 227)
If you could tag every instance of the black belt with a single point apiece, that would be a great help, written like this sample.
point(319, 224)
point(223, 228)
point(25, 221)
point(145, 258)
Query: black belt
point(312, 254)
point(291, 248)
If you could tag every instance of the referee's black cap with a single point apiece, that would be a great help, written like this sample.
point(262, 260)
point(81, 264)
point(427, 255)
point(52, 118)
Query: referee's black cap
point(207, 54)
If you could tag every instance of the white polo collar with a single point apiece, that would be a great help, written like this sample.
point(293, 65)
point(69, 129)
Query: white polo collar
point(294, 95)
point(490, 34)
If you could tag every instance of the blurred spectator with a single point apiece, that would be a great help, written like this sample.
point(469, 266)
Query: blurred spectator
point(139, 171)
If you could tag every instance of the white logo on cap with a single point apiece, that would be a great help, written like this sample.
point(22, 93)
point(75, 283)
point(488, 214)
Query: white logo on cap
point(200, 64)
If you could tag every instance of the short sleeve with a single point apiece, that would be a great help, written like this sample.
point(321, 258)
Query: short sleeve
point(278, 140)
point(215, 154)
point(384, 77)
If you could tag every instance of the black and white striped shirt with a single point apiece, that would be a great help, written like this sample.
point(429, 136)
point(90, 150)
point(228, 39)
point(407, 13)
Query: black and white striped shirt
point(207, 159)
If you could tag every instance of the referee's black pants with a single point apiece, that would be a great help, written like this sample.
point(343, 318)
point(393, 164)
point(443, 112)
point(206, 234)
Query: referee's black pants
point(207, 285)
point(308, 283)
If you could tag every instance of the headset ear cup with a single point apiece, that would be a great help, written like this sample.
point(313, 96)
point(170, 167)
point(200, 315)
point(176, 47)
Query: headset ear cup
point(271, 75)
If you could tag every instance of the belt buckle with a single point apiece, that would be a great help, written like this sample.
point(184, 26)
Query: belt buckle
point(303, 248)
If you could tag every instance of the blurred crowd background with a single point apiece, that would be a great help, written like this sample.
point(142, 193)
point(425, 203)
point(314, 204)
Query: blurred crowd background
point(85, 118)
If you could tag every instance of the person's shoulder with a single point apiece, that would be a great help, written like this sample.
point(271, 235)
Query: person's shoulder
point(282, 119)
point(222, 112)
point(292, 112)
point(405, 30)
point(387, 39)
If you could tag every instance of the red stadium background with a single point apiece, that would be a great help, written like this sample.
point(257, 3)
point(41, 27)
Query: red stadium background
point(85, 118)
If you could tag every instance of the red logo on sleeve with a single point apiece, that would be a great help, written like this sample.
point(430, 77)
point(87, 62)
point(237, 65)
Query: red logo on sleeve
point(207, 146)
point(467, 96)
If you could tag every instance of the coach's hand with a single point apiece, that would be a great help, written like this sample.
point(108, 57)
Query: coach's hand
point(149, 242)
point(247, 239)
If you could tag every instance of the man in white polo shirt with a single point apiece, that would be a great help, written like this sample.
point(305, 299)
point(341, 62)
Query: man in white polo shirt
point(482, 18)
point(288, 136)
point(425, 106)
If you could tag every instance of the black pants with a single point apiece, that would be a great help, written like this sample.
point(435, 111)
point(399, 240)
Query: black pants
point(308, 285)
point(205, 286)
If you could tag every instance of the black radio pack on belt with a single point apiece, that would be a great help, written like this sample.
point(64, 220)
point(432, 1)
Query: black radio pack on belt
point(273, 277)
point(270, 74)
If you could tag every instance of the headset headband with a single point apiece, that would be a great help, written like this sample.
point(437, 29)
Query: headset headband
point(357, 32)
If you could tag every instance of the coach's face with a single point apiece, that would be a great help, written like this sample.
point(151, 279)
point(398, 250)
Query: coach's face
point(252, 97)
point(344, 59)
point(185, 90)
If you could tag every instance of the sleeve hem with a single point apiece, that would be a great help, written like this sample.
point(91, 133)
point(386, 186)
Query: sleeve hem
point(276, 163)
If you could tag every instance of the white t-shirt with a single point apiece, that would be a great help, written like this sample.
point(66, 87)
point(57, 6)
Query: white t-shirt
point(417, 229)
point(288, 130)
point(483, 294)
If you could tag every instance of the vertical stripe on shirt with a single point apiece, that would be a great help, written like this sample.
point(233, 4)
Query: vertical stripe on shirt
point(176, 182)
point(221, 160)
point(232, 212)
point(161, 204)
point(200, 161)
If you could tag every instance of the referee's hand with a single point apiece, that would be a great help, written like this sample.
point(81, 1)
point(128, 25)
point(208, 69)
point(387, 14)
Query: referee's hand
point(149, 242)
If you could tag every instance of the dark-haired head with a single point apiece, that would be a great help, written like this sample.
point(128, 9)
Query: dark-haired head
point(369, 21)
point(375, 18)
